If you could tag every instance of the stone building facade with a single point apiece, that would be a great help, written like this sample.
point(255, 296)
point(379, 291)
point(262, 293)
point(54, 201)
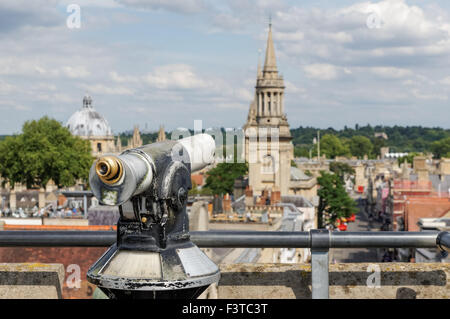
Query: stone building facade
point(268, 146)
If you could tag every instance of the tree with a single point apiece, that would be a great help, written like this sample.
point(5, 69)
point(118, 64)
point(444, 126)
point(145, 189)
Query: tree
point(378, 143)
point(300, 151)
point(360, 146)
point(401, 139)
point(441, 148)
point(221, 179)
point(341, 169)
point(334, 202)
point(331, 146)
point(409, 158)
point(44, 151)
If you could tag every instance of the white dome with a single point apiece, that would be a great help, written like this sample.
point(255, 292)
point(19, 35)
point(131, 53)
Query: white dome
point(88, 122)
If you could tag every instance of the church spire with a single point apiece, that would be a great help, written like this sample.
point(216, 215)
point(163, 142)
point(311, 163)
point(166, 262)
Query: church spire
point(270, 64)
point(258, 72)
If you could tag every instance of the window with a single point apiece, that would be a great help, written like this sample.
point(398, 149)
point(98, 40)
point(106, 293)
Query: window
point(99, 147)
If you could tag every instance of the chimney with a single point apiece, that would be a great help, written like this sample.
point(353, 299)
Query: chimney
point(275, 196)
point(227, 203)
point(249, 196)
point(419, 163)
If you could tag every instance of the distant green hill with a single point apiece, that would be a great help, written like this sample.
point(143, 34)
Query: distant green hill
point(400, 138)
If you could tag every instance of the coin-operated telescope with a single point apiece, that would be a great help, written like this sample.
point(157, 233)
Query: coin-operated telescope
point(153, 256)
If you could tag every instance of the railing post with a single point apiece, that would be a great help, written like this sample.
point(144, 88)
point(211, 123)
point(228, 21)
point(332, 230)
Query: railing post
point(320, 246)
point(85, 206)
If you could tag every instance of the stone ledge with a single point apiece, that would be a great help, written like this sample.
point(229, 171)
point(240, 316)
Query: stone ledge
point(31, 281)
point(284, 281)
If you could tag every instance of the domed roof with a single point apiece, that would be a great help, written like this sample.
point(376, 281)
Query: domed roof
point(88, 122)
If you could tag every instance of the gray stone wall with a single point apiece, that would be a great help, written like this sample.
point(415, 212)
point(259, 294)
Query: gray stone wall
point(103, 215)
point(347, 281)
point(31, 281)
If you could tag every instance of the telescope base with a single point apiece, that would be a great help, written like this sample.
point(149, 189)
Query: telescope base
point(189, 293)
point(181, 273)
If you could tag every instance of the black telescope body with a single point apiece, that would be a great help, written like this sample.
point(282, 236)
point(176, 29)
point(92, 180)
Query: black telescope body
point(154, 256)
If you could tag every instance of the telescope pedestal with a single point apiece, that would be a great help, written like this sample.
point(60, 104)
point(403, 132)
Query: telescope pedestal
point(183, 272)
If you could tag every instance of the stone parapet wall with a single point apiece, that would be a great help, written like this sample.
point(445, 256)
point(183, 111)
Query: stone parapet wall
point(31, 281)
point(253, 281)
point(69, 258)
point(347, 281)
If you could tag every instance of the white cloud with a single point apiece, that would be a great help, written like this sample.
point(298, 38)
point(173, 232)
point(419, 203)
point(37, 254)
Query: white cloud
point(319, 71)
point(446, 81)
point(102, 89)
point(404, 62)
point(6, 88)
point(429, 96)
point(75, 72)
point(293, 89)
point(19, 14)
point(179, 6)
point(123, 78)
point(89, 3)
point(175, 76)
point(54, 97)
point(391, 72)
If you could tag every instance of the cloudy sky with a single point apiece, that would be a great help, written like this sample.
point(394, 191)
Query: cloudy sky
point(152, 62)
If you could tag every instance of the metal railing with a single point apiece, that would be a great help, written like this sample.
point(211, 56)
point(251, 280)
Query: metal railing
point(318, 240)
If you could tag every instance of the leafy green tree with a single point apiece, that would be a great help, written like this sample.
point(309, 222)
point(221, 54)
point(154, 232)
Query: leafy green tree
point(360, 146)
point(441, 148)
point(409, 158)
point(334, 202)
point(378, 143)
point(331, 146)
point(401, 138)
point(194, 190)
point(341, 169)
point(44, 151)
point(301, 151)
point(221, 179)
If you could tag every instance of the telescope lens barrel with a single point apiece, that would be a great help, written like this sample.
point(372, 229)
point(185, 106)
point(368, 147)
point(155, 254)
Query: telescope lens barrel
point(109, 169)
point(114, 179)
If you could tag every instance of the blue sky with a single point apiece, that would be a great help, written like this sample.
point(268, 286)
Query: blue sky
point(153, 62)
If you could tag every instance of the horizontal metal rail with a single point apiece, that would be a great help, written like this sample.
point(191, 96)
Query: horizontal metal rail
point(319, 240)
point(250, 239)
point(244, 239)
point(72, 238)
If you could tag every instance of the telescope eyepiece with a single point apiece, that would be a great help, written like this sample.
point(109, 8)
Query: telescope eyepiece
point(104, 169)
point(109, 169)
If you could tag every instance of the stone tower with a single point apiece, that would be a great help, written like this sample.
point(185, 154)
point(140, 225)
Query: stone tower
point(268, 146)
point(118, 144)
point(161, 134)
point(135, 140)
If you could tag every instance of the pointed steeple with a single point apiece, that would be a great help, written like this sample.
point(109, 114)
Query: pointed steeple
point(270, 64)
point(258, 72)
point(161, 134)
